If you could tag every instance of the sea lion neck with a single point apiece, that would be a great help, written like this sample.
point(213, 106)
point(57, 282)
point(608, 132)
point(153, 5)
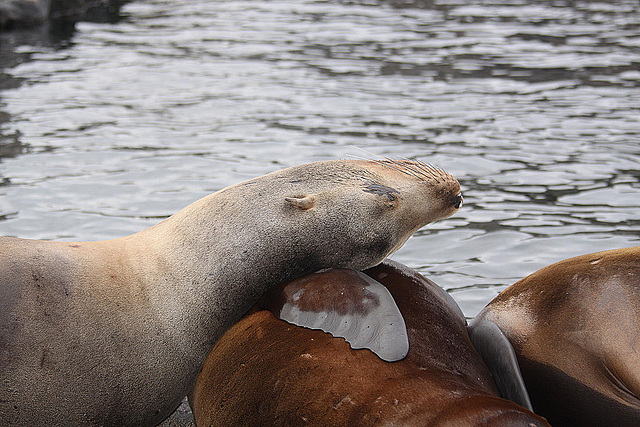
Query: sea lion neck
point(289, 223)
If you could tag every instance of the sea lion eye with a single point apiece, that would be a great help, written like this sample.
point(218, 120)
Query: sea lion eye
point(382, 190)
point(458, 201)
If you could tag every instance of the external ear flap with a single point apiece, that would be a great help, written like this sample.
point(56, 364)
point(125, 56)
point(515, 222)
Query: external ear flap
point(303, 202)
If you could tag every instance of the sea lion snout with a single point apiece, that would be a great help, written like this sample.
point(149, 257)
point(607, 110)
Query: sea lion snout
point(458, 201)
point(429, 193)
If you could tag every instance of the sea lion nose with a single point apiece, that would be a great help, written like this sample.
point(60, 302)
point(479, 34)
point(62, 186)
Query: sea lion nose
point(458, 201)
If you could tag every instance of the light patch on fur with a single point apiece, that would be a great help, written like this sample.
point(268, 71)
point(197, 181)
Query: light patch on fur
point(515, 319)
point(347, 400)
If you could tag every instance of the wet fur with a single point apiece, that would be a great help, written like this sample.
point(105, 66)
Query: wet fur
point(297, 376)
point(574, 327)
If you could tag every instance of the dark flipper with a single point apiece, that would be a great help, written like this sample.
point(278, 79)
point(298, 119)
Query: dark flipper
point(498, 354)
point(347, 304)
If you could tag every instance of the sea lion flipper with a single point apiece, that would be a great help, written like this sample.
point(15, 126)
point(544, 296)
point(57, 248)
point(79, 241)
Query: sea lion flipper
point(498, 354)
point(365, 314)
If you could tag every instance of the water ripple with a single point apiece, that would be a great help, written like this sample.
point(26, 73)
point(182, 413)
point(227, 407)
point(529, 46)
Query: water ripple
point(534, 105)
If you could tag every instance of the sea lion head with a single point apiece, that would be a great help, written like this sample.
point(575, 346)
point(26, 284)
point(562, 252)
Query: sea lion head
point(366, 207)
point(327, 214)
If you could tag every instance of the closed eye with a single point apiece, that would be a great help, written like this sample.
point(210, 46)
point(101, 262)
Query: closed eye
point(382, 190)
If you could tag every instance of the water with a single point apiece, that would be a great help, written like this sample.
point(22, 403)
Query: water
point(534, 105)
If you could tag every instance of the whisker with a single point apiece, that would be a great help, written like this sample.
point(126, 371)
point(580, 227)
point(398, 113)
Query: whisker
point(430, 170)
point(415, 168)
point(388, 163)
point(368, 153)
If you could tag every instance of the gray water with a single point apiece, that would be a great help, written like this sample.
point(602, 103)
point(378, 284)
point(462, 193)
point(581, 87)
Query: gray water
point(534, 105)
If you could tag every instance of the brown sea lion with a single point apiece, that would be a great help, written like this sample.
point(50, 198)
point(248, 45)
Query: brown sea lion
point(264, 371)
point(575, 329)
point(114, 332)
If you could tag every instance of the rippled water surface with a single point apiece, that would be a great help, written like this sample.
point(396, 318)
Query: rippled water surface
point(533, 105)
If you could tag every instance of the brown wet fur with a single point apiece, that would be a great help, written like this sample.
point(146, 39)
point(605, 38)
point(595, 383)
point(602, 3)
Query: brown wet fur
point(316, 286)
point(576, 332)
point(267, 372)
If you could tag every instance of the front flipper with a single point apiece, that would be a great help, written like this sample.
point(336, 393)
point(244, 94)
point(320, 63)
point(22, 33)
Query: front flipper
point(347, 304)
point(499, 356)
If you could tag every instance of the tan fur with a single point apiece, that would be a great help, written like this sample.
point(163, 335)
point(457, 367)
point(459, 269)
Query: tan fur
point(575, 328)
point(264, 371)
point(114, 332)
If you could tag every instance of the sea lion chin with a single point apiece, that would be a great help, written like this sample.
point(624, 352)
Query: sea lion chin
point(114, 332)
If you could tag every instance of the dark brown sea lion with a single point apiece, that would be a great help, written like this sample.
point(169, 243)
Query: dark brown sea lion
point(575, 329)
point(114, 332)
point(264, 371)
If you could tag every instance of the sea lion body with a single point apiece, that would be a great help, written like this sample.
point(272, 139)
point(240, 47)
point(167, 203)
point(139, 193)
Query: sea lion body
point(294, 376)
point(575, 329)
point(114, 332)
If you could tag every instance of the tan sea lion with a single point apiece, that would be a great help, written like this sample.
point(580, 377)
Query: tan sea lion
point(114, 332)
point(575, 329)
point(265, 371)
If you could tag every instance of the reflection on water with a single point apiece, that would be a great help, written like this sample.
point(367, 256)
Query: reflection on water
point(534, 105)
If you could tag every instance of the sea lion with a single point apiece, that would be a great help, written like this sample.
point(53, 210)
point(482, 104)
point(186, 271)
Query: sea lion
point(114, 332)
point(264, 371)
point(575, 331)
